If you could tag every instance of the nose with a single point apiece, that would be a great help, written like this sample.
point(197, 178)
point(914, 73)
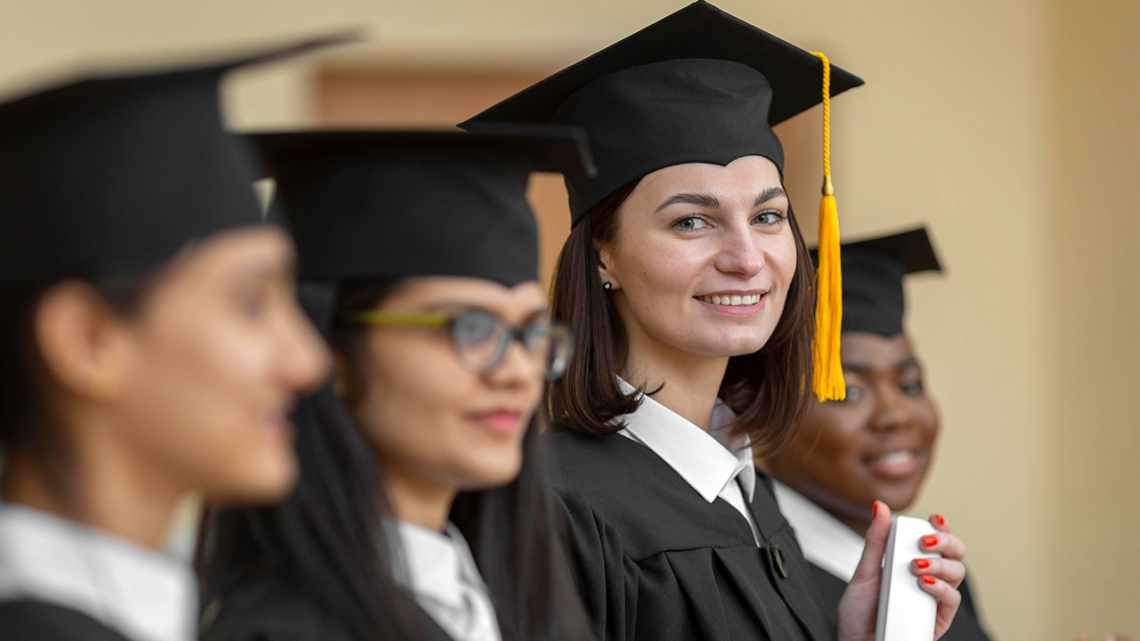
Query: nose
point(891, 413)
point(740, 253)
point(303, 356)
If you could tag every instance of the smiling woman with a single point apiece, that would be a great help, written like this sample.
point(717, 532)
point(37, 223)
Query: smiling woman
point(422, 511)
point(879, 443)
point(688, 284)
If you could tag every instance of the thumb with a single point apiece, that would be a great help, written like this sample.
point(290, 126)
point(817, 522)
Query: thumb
point(875, 543)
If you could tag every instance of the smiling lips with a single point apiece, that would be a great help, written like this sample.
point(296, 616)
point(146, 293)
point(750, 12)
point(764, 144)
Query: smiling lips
point(735, 303)
point(498, 421)
point(896, 464)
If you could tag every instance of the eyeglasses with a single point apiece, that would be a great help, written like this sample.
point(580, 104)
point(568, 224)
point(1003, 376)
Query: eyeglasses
point(480, 338)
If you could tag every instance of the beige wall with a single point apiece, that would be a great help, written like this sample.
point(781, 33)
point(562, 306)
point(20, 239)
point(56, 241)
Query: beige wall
point(1008, 125)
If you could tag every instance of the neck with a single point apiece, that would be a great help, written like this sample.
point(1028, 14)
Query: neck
point(107, 486)
point(856, 518)
point(691, 383)
point(417, 500)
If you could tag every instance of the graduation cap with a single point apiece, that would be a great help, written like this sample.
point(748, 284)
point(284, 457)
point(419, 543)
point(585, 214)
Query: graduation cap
point(391, 204)
point(111, 173)
point(873, 272)
point(700, 85)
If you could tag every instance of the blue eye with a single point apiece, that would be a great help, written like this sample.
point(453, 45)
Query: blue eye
point(769, 218)
point(690, 223)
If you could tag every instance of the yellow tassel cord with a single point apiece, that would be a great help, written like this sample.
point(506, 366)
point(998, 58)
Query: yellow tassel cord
point(827, 381)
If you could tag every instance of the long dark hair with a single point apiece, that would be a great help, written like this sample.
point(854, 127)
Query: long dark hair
point(328, 543)
point(766, 389)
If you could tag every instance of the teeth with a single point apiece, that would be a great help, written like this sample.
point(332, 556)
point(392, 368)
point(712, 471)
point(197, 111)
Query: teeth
point(899, 456)
point(750, 299)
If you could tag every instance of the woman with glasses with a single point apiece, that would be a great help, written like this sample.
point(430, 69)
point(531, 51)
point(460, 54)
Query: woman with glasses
point(420, 512)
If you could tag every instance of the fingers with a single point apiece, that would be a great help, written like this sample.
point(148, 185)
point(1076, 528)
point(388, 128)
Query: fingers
point(948, 598)
point(948, 570)
point(939, 522)
point(871, 564)
point(944, 543)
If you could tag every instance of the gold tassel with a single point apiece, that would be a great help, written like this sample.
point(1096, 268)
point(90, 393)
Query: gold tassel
point(827, 380)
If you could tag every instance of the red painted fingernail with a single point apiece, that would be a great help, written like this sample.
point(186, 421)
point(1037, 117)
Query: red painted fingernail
point(922, 564)
point(929, 541)
point(874, 509)
point(940, 520)
point(929, 580)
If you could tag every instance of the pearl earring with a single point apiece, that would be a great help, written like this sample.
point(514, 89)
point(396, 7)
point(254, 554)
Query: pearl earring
point(608, 286)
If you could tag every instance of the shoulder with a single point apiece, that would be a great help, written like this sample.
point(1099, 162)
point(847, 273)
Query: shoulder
point(266, 609)
point(29, 620)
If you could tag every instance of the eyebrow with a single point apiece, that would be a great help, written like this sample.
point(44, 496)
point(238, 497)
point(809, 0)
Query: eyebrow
point(711, 202)
point(283, 269)
point(701, 200)
point(863, 369)
point(770, 193)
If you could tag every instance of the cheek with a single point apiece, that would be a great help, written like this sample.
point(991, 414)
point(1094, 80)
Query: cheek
point(208, 385)
point(414, 393)
point(660, 271)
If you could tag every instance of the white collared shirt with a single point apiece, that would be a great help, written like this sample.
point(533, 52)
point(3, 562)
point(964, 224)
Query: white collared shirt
point(142, 594)
point(713, 466)
point(447, 584)
point(825, 540)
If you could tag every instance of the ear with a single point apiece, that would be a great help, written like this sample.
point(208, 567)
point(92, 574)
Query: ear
point(605, 263)
point(84, 345)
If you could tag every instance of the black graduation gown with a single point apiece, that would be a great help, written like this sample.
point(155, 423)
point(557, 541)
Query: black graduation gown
point(654, 561)
point(266, 609)
point(31, 620)
point(967, 625)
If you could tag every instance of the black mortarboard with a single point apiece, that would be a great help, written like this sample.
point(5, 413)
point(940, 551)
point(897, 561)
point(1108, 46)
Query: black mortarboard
point(873, 272)
point(111, 173)
point(700, 85)
point(389, 204)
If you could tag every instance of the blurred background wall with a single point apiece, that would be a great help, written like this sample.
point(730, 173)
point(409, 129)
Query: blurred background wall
point(1009, 126)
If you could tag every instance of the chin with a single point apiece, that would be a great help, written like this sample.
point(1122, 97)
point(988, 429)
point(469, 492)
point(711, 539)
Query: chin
point(489, 474)
point(266, 482)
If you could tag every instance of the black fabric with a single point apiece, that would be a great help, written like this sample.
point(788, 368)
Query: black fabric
point(700, 85)
point(265, 609)
point(873, 272)
point(967, 625)
point(30, 620)
point(381, 204)
point(654, 561)
point(109, 175)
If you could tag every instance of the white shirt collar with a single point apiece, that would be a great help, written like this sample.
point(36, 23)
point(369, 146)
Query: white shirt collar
point(708, 461)
point(440, 564)
point(143, 594)
point(825, 540)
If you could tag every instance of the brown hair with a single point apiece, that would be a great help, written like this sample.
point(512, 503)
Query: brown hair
point(766, 389)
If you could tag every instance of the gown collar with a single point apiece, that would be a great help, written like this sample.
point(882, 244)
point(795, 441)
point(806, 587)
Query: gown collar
point(706, 460)
point(825, 540)
point(146, 595)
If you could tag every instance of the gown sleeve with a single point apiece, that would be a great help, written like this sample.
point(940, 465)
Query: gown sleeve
point(263, 611)
point(27, 620)
point(605, 577)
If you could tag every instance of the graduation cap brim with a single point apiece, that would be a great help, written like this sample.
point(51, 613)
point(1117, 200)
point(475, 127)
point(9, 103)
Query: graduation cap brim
point(540, 148)
point(913, 249)
point(874, 300)
point(699, 30)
